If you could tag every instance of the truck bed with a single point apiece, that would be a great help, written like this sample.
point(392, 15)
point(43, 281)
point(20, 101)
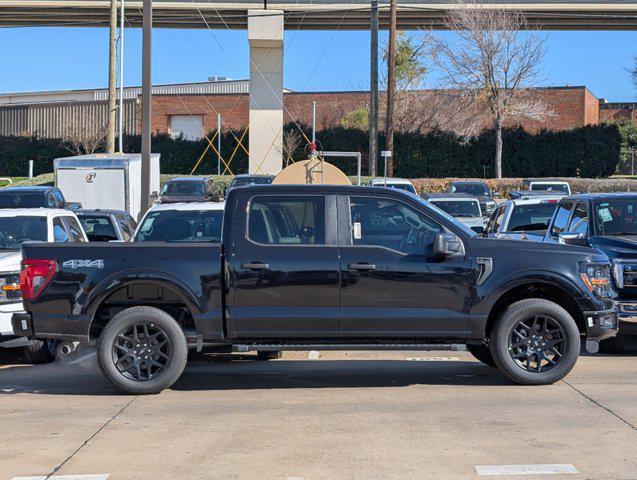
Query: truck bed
point(121, 274)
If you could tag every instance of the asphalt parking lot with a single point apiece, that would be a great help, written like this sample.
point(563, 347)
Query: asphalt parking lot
point(343, 415)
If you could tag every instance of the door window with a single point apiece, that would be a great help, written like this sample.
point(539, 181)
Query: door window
point(391, 224)
point(74, 229)
point(561, 218)
point(60, 234)
point(287, 220)
point(58, 197)
point(50, 201)
point(579, 222)
point(496, 220)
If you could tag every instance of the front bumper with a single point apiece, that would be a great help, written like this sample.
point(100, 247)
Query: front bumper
point(627, 316)
point(601, 324)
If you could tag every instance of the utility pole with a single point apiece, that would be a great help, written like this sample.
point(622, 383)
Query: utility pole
point(373, 99)
point(391, 88)
point(147, 37)
point(121, 77)
point(112, 79)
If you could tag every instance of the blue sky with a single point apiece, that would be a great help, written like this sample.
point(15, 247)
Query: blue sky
point(35, 59)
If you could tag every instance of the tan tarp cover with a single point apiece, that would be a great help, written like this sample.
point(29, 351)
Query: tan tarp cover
point(312, 171)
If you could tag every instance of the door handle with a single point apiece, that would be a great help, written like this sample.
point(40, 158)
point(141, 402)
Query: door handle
point(361, 266)
point(255, 266)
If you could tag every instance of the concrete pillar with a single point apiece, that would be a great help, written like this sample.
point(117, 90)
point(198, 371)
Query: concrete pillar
point(265, 35)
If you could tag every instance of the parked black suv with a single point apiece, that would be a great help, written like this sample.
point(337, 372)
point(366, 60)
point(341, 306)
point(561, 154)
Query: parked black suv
point(477, 189)
point(34, 197)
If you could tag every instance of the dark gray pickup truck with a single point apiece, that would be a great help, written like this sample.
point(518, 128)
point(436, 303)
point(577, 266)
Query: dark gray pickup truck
point(320, 268)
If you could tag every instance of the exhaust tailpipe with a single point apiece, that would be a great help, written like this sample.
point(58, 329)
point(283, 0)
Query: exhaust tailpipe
point(66, 348)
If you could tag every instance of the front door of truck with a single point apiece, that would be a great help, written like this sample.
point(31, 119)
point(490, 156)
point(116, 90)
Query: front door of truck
point(392, 285)
point(284, 272)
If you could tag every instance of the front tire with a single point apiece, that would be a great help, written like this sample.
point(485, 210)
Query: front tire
point(613, 345)
point(535, 342)
point(40, 351)
point(482, 353)
point(142, 350)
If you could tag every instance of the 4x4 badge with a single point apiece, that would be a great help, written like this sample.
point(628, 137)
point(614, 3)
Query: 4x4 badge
point(76, 263)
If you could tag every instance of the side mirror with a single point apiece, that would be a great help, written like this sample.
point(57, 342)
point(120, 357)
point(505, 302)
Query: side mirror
point(154, 194)
point(572, 238)
point(447, 245)
point(478, 229)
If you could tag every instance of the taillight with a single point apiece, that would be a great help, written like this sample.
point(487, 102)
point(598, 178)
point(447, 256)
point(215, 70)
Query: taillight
point(35, 276)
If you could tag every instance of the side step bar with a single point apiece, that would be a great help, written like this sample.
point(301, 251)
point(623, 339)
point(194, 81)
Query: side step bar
point(346, 346)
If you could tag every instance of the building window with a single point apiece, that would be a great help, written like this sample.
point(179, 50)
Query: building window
point(188, 126)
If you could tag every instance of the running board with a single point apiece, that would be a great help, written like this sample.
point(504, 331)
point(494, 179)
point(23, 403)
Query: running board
point(258, 347)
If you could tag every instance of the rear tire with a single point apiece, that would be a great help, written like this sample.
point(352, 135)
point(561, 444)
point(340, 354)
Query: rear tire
point(40, 351)
point(482, 353)
point(142, 350)
point(535, 342)
point(269, 355)
point(613, 345)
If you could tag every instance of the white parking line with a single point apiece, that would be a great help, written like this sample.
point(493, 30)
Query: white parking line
point(432, 359)
point(313, 355)
point(538, 469)
point(99, 476)
point(81, 359)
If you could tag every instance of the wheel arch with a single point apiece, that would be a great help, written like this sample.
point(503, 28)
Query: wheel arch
point(556, 290)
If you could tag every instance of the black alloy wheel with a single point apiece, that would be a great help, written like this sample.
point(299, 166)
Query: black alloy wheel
point(537, 344)
point(141, 351)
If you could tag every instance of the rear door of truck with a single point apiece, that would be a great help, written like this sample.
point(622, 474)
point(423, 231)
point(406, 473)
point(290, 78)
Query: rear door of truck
point(284, 269)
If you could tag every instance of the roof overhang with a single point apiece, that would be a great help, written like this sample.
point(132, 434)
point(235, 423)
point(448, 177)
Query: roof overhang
point(313, 15)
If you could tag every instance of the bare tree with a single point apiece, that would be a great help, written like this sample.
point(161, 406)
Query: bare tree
point(84, 138)
point(292, 140)
point(489, 67)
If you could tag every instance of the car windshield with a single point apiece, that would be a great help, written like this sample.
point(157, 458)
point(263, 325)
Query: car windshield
point(550, 187)
point(98, 228)
point(458, 208)
point(185, 226)
point(528, 218)
point(476, 189)
point(184, 189)
point(14, 231)
point(243, 181)
point(21, 200)
point(407, 187)
point(616, 217)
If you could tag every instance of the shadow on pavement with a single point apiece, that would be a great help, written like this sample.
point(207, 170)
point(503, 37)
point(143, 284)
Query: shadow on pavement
point(222, 374)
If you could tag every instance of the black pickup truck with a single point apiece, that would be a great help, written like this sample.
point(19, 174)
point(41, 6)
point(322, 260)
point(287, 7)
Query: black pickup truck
point(608, 223)
point(320, 268)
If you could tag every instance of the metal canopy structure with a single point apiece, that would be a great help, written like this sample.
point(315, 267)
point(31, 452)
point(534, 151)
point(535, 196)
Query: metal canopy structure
point(313, 15)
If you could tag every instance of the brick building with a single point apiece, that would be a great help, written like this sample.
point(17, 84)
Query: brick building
point(191, 109)
point(572, 107)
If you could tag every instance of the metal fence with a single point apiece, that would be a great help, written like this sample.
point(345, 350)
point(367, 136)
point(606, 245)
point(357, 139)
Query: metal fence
point(59, 120)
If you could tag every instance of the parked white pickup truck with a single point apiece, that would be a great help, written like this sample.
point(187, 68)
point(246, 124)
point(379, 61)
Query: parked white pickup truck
point(16, 227)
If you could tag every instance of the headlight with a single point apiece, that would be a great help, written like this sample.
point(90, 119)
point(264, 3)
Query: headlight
point(596, 277)
point(10, 288)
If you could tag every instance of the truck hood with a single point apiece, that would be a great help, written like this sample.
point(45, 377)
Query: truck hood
point(616, 246)
point(10, 261)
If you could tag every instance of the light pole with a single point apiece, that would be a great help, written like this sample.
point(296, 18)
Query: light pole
point(147, 38)
point(121, 77)
point(373, 99)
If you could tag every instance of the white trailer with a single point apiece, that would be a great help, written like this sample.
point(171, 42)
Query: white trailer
point(106, 181)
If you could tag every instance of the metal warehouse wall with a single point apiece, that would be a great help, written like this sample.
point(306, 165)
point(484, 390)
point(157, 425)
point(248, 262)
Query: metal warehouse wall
point(57, 120)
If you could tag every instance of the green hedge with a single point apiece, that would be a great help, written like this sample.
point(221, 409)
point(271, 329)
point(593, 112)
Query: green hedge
point(591, 152)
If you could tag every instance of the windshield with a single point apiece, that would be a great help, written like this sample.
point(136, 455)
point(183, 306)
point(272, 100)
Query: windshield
point(528, 218)
point(476, 189)
point(407, 187)
point(458, 208)
point(14, 231)
point(240, 182)
point(184, 189)
point(616, 217)
point(188, 226)
point(21, 200)
point(550, 187)
point(98, 228)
